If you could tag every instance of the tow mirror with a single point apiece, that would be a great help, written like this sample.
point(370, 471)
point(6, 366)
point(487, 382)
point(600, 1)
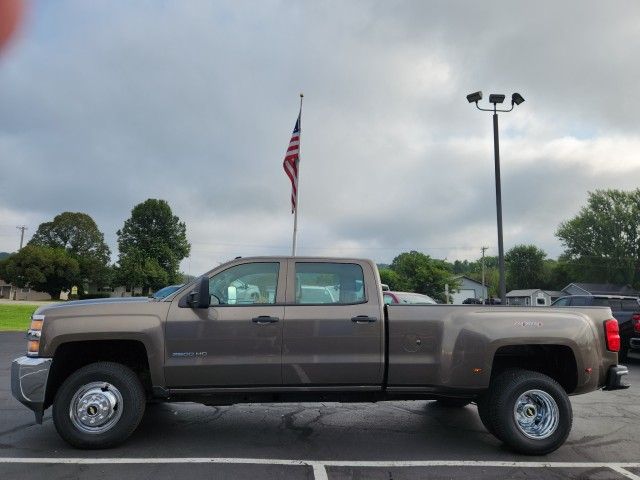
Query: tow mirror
point(204, 300)
point(199, 296)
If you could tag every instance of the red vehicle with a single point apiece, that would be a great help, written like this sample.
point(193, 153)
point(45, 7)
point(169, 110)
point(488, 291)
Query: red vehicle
point(407, 297)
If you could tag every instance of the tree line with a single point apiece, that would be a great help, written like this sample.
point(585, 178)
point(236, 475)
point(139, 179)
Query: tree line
point(601, 245)
point(71, 250)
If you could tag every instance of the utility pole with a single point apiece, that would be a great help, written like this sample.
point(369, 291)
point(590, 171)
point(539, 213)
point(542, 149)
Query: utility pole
point(483, 290)
point(22, 228)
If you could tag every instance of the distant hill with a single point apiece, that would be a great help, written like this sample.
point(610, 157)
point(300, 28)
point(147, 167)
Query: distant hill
point(4, 255)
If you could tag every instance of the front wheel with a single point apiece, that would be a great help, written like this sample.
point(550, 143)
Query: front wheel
point(99, 405)
point(529, 411)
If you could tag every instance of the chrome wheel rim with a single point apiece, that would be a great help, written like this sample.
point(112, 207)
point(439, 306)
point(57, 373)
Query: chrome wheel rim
point(96, 407)
point(536, 414)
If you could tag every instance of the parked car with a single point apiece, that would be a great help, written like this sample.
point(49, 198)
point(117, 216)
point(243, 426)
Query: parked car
point(97, 364)
point(624, 309)
point(166, 291)
point(634, 341)
point(407, 298)
point(472, 301)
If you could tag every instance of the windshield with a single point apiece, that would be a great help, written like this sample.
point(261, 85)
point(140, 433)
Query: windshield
point(166, 291)
point(415, 298)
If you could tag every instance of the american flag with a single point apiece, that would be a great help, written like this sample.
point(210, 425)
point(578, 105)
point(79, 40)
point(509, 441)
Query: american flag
point(290, 164)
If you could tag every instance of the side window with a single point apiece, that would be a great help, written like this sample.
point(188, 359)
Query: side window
point(540, 301)
point(578, 302)
point(615, 304)
point(630, 304)
point(600, 302)
point(329, 283)
point(247, 284)
point(563, 302)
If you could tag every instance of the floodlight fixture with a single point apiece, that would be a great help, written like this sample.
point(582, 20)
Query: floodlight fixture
point(496, 98)
point(516, 99)
point(474, 97)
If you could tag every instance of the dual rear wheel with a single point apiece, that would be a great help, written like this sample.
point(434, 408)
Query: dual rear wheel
point(529, 411)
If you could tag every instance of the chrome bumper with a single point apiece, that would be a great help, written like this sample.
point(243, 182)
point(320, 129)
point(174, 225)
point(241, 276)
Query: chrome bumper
point(29, 382)
point(615, 376)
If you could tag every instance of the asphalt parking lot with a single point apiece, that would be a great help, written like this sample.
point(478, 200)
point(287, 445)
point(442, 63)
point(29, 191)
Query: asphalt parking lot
point(391, 441)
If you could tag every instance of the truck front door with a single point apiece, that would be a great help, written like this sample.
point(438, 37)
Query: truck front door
point(237, 341)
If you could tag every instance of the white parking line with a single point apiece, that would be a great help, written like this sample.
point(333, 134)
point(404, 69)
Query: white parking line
point(626, 473)
point(319, 466)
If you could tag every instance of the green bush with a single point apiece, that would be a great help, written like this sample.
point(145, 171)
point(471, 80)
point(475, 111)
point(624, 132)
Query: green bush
point(88, 296)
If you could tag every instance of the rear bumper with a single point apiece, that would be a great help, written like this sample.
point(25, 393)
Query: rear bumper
point(615, 377)
point(29, 382)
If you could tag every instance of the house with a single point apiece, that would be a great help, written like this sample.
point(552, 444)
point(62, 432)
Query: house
point(469, 288)
point(8, 291)
point(533, 296)
point(599, 289)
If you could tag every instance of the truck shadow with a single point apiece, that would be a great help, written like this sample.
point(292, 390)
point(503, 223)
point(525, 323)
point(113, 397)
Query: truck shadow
point(389, 430)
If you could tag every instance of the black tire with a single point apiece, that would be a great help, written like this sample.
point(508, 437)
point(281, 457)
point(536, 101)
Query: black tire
point(503, 395)
point(453, 402)
point(483, 412)
point(124, 381)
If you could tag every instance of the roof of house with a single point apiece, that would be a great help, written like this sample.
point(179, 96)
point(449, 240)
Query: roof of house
point(471, 280)
point(604, 288)
point(523, 293)
point(555, 293)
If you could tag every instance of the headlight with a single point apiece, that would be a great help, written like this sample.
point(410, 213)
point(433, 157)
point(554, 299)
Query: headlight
point(33, 335)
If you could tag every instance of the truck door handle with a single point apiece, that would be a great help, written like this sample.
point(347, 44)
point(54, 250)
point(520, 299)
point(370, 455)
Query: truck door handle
point(363, 319)
point(265, 319)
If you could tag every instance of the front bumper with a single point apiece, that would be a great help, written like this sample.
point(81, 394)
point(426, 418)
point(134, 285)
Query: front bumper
point(29, 382)
point(615, 377)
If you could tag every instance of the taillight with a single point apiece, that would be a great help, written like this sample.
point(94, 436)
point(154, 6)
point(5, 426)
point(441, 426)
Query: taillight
point(612, 335)
point(635, 318)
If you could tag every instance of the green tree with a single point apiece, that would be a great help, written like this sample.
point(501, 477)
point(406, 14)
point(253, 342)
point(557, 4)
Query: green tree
point(393, 279)
point(78, 234)
point(602, 242)
point(44, 269)
point(525, 267)
point(423, 274)
point(152, 241)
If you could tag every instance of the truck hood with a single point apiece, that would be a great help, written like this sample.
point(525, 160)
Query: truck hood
point(74, 304)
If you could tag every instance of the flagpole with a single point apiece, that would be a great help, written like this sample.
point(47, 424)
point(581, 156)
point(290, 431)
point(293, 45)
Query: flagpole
point(295, 211)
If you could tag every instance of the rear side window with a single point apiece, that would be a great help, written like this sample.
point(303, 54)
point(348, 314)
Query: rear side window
point(578, 302)
point(630, 304)
point(563, 302)
point(329, 283)
point(615, 304)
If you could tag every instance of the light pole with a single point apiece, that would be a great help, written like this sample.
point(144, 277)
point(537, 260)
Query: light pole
point(495, 99)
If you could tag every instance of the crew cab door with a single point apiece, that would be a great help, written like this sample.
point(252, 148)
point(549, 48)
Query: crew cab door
point(333, 328)
point(237, 341)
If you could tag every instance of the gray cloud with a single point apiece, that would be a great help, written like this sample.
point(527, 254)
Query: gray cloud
point(104, 106)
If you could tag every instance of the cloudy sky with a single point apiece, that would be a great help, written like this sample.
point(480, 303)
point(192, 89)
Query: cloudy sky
point(104, 104)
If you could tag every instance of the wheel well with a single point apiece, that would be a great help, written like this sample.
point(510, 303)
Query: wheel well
point(557, 361)
point(71, 356)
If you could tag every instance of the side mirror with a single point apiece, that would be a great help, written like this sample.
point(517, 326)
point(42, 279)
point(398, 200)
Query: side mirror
point(199, 296)
point(204, 300)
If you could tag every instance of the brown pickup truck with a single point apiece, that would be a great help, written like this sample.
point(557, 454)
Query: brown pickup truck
point(311, 329)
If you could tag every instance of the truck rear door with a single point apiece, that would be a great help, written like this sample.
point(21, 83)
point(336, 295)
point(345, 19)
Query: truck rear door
point(333, 330)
